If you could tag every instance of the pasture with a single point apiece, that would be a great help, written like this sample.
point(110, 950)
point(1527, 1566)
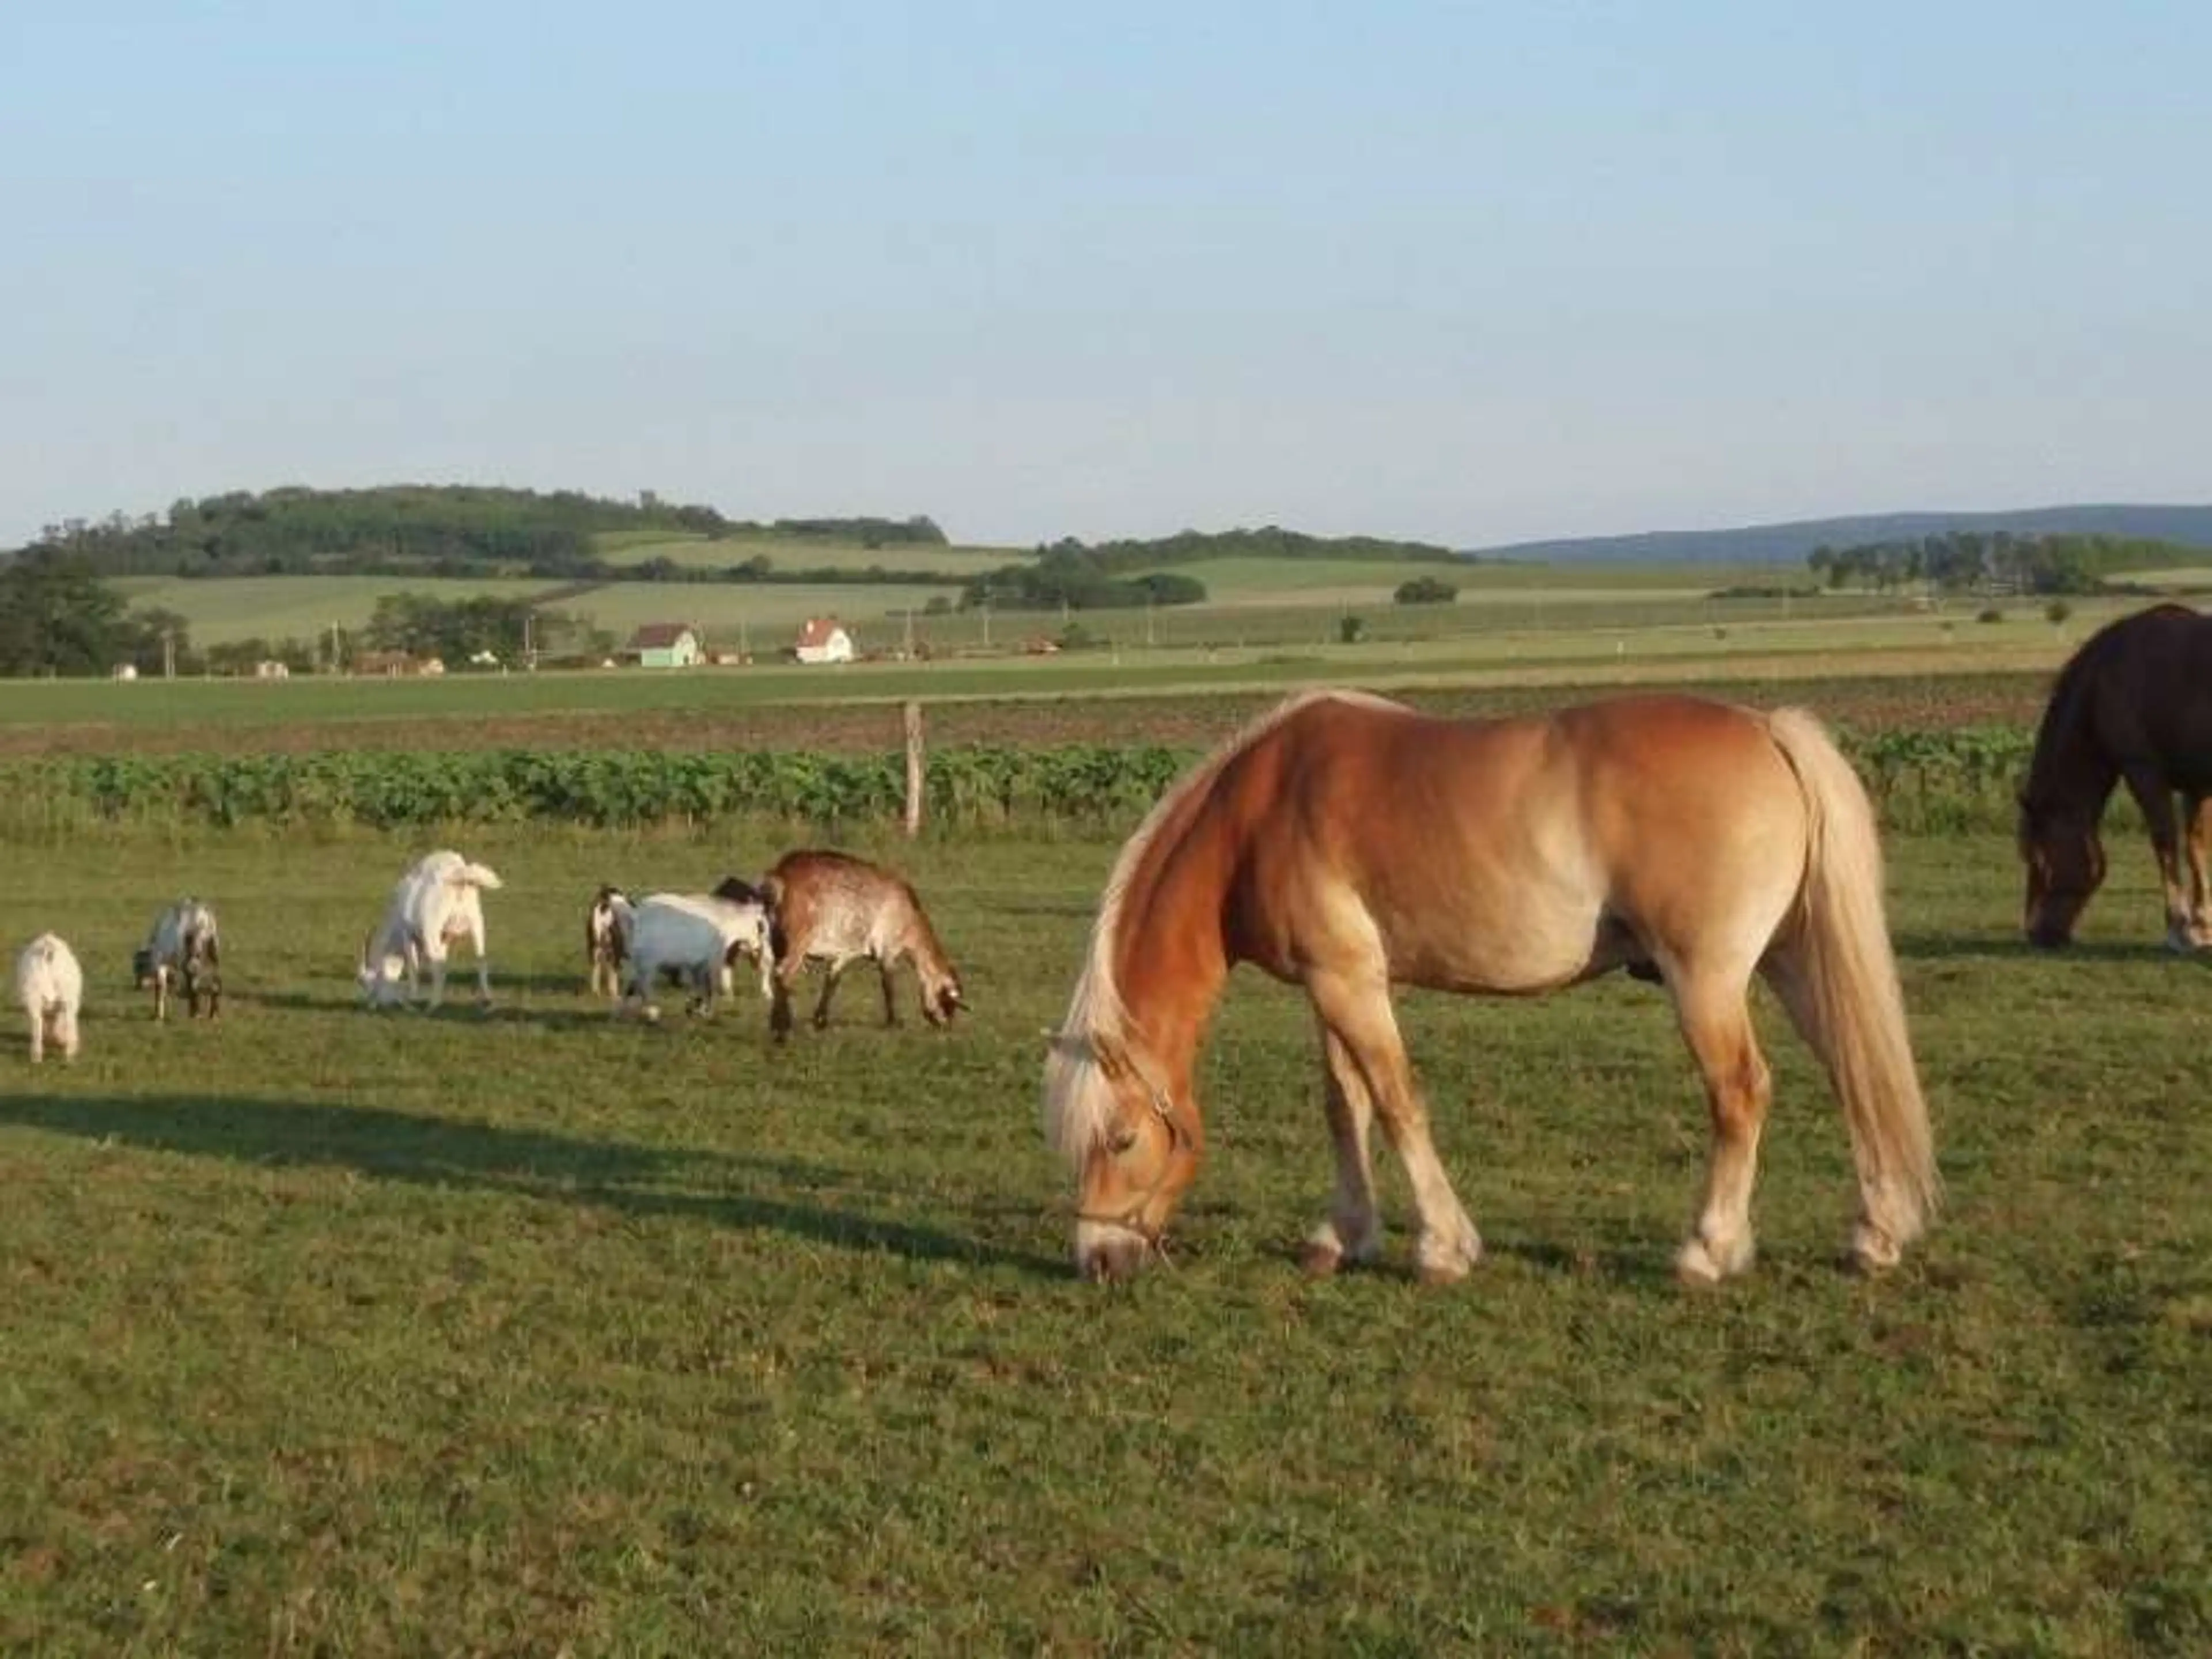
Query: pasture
point(334, 1331)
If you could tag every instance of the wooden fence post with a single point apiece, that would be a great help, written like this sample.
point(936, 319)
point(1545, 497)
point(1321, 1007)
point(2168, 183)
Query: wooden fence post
point(914, 770)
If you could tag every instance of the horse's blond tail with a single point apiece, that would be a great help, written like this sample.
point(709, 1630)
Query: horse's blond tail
point(1844, 994)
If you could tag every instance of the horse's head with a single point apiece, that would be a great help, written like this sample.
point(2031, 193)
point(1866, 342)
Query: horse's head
point(1136, 1145)
point(2065, 861)
point(142, 967)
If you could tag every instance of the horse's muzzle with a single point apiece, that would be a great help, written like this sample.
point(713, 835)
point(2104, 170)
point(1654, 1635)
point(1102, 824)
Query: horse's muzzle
point(1107, 1252)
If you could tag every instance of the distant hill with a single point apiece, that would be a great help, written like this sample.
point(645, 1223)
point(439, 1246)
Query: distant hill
point(1789, 543)
point(433, 530)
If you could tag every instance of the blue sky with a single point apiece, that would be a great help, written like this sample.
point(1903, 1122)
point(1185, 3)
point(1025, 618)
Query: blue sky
point(1466, 273)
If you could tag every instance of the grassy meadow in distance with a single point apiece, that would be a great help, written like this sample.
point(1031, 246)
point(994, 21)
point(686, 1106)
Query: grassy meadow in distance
point(337, 1332)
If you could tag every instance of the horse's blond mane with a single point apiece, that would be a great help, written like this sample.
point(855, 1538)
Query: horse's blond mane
point(1077, 1102)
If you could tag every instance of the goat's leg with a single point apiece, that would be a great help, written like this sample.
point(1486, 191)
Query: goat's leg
point(835, 972)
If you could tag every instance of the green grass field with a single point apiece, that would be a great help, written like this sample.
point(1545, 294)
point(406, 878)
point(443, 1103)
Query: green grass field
point(335, 1332)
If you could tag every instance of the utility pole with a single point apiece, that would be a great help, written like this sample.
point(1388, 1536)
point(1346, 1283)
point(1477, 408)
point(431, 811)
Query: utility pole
point(987, 619)
point(909, 639)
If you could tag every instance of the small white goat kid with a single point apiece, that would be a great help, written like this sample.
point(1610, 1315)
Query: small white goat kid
point(435, 904)
point(697, 936)
point(51, 987)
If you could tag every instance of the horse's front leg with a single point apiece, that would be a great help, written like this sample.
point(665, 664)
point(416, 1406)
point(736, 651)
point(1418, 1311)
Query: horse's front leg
point(1354, 1230)
point(161, 994)
point(890, 1006)
point(1716, 1021)
point(1355, 1007)
point(2198, 827)
point(2153, 794)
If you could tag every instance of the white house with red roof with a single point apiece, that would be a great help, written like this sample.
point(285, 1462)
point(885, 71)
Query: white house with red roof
point(665, 645)
point(824, 640)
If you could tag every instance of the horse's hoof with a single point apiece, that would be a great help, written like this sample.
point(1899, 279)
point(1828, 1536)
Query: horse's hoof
point(1319, 1260)
point(1873, 1252)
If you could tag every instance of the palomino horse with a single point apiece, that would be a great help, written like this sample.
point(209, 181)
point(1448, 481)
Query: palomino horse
point(1344, 843)
point(2134, 703)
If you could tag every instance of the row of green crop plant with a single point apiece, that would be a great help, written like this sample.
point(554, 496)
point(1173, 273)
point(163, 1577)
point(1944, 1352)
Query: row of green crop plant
point(1936, 781)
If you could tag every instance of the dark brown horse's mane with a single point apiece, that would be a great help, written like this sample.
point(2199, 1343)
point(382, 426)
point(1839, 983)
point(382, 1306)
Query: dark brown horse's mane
point(2068, 708)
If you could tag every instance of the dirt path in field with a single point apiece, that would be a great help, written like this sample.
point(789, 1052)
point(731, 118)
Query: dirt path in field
point(1921, 701)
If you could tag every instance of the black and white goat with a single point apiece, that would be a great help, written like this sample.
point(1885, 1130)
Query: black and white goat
point(185, 949)
point(606, 940)
point(696, 937)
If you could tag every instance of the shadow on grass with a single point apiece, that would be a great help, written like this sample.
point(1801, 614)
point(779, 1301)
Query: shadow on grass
point(2014, 947)
point(808, 1200)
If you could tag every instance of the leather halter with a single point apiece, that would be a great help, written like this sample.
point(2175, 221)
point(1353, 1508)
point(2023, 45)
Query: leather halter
point(1164, 1108)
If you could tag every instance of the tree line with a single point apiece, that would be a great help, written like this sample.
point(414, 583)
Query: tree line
point(1070, 574)
point(434, 531)
point(1972, 561)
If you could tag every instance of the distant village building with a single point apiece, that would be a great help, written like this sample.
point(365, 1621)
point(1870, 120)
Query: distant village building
point(126, 671)
point(665, 645)
point(270, 669)
point(395, 665)
point(824, 640)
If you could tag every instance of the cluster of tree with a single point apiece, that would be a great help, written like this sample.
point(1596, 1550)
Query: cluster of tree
point(57, 616)
point(1972, 561)
point(1069, 574)
point(1424, 590)
point(419, 530)
point(1270, 542)
point(1068, 577)
point(456, 630)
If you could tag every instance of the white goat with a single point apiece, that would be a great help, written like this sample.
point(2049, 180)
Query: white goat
point(697, 935)
point(51, 987)
point(435, 903)
point(185, 948)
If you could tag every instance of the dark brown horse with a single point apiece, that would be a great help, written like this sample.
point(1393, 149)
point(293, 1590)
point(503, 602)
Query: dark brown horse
point(2133, 705)
point(1345, 844)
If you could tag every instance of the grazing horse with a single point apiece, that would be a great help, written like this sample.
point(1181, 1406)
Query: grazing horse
point(2134, 704)
point(1346, 843)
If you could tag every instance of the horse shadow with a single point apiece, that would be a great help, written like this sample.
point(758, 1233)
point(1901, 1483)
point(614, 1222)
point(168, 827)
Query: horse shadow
point(751, 1193)
point(1997, 947)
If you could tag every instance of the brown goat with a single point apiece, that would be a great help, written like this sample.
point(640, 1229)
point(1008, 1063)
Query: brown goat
point(834, 909)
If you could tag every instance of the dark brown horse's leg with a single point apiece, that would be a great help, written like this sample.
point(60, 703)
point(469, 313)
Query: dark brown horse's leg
point(1353, 1230)
point(2154, 795)
point(2198, 824)
point(1716, 1021)
point(1356, 1007)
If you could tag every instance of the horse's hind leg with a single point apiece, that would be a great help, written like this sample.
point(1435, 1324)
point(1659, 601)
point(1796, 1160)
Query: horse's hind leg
point(1715, 1021)
point(1355, 1010)
point(1352, 1231)
point(2155, 797)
